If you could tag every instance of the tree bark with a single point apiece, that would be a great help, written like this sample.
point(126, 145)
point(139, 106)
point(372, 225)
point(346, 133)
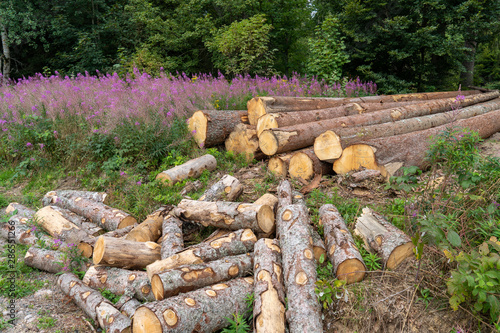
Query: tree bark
point(467, 77)
point(390, 154)
point(212, 127)
point(193, 168)
point(106, 217)
point(269, 292)
point(305, 164)
point(172, 241)
point(234, 243)
point(364, 175)
point(243, 140)
point(22, 210)
point(304, 312)
point(90, 228)
point(195, 276)
point(319, 247)
point(150, 229)
point(381, 237)
point(128, 305)
point(228, 188)
point(50, 260)
point(285, 198)
point(51, 197)
point(119, 281)
point(123, 253)
point(59, 227)
point(285, 139)
point(279, 164)
point(202, 310)
point(111, 320)
point(6, 54)
point(87, 245)
point(228, 215)
point(347, 262)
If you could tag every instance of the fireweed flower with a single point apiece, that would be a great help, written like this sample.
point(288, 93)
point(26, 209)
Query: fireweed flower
point(139, 183)
point(29, 144)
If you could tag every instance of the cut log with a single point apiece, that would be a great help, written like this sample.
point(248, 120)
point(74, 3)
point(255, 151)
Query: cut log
point(123, 253)
point(319, 248)
point(172, 241)
point(22, 210)
point(119, 281)
point(59, 227)
point(111, 320)
point(234, 243)
point(228, 188)
point(347, 262)
point(86, 246)
point(381, 237)
point(202, 310)
point(290, 138)
point(150, 229)
point(195, 276)
point(389, 154)
point(269, 292)
point(259, 106)
point(243, 140)
point(305, 164)
point(299, 266)
point(352, 135)
point(285, 198)
point(50, 260)
point(90, 228)
point(51, 197)
point(278, 164)
point(228, 215)
point(268, 199)
point(216, 234)
point(128, 305)
point(193, 168)
point(212, 127)
point(104, 216)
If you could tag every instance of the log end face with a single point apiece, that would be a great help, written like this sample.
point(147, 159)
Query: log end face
point(265, 219)
point(327, 146)
point(145, 321)
point(265, 122)
point(256, 109)
point(399, 254)
point(351, 270)
point(355, 157)
point(99, 250)
point(301, 166)
point(86, 250)
point(268, 143)
point(198, 127)
point(157, 287)
point(164, 178)
point(127, 221)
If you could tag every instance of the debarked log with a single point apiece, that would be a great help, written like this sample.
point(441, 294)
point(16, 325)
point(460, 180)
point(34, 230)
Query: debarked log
point(86, 246)
point(150, 229)
point(57, 226)
point(192, 168)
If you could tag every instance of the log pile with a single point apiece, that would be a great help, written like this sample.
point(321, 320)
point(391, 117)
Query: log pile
point(305, 137)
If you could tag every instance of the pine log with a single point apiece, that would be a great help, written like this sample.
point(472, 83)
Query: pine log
point(319, 248)
point(234, 243)
point(381, 237)
point(86, 246)
point(299, 266)
point(268, 199)
point(59, 227)
point(390, 154)
point(90, 228)
point(347, 262)
point(228, 215)
point(269, 292)
point(285, 198)
point(190, 277)
point(22, 210)
point(50, 260)
point(278, 164)
point(119, 281)
point(172, 241)
point(128, 305)
point(285, 139)
point(228, 188)
point(212, 127)
point(123, 253)
point(51, 197)
point(349, 136)
point(104, 216)
point(111, 320)
point(305, 164)
point(150, 229)
point(243, 140)
point(192, 168)
point(259, 106)
point(202, 310)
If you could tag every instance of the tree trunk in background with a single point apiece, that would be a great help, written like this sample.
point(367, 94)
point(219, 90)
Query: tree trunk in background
point(6, 54)
point(467, 77)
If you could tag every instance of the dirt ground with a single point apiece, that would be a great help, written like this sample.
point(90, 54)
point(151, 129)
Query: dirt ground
point(384, 302)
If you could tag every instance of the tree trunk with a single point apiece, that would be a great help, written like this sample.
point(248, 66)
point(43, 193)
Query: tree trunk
point(304, 311)
point(128, 306)
point(285, 198)
point(347, 262)
point(6, 55)
point(51, 197)
point(114, 252)
point(150, 229)
point(90, 228)
point(172, 241)
point(381, 237)
point(228, 215)
point(111, 320)
point(119, 281)
point(195, 276)
point(269, 292)
point(87, 245)
point(202, 310)
point(193, 168)
point(279, 164)
point(243, 140)
point(305, 164)
point(353, 135)
point(467, 77)
point(212, 127)
point(50, 260)
point(228, 188)
point(106, 217)
point(234, 243)
point(59, 227)
point(390, 154)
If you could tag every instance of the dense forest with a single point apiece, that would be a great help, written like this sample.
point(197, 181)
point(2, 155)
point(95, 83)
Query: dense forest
point(411, 45)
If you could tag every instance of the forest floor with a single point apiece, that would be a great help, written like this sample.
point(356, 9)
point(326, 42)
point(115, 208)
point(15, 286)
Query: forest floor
point(407, 299)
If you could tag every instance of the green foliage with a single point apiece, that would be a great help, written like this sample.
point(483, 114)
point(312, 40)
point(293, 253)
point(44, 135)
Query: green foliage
point(425, 297)
point(109, 295)
point(243, 47)
point(372, 261)
point(327, 291)
point(73, 261)
point(45, 321)
point(240, 321)
point(327, 51)
point(407, 181)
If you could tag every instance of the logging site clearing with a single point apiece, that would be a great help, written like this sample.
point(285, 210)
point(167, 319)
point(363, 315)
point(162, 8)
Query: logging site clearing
point(366, 214)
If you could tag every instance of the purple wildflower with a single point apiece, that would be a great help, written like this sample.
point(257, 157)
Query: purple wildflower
point(29, 144)
point(139, 183)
